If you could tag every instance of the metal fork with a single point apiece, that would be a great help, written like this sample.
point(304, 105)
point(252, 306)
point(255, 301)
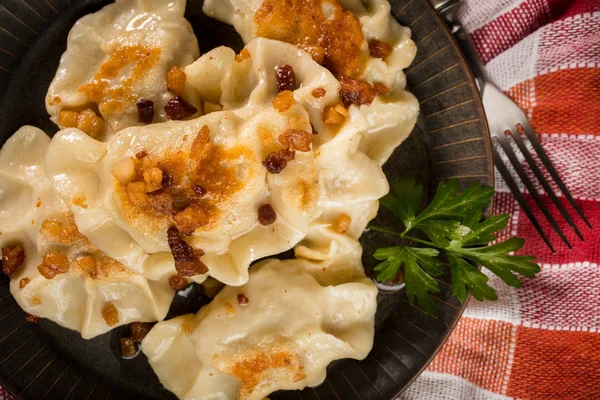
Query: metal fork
point(504, 118)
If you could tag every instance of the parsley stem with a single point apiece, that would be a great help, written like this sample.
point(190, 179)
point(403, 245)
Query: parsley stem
point(401, 235)
point(413, 239)
point(383, 230)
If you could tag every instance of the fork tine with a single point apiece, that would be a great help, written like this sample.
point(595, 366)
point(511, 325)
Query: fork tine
point(518, 195)
point(550, 167)
point(536, 170)
point(536, 197)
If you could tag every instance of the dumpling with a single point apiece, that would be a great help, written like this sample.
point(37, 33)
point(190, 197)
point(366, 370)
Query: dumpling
point(277, 332)
point(63, 277)
point(129, 51)
point(195, 189)
point(245, 85)
point(359, 41)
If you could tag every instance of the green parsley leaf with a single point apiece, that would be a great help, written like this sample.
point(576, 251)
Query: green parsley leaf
point(447, 204)
point(497, 259)
point(403, 200)
point(420, 265)
point(453, 223)
point(466, 277)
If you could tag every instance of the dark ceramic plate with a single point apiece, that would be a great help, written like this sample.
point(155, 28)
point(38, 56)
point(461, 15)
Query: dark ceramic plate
point(44, 361)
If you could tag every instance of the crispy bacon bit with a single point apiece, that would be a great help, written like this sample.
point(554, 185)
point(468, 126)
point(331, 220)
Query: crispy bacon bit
point(177, 282)
point(276, 161)
point(318, 93)
point(161, 202)
point(187, 259)
point(297, 139)
point(331, 116)
point(354, 91)
point(266, 215)
point(210, 107)
point(12, 258)
point(381, 88)
point(54, 263)
point(32, 318)
point(200, 191)
point(190, 219)
point(283, 101)
point(89, 265)
point(110, 314)
point(379, 49)
point(24, 282)
point(89, 122)
point(68, 119)
point(128, 348)
point(153, 178)
point(242, 299)
point(177, 109)
point(244, 54)
point(176, 78)
point(342, 223)
point(79, 201)
point(286, 78)
point(145, 111)
point(139, 330)
point(201, 144)
point(141, 154)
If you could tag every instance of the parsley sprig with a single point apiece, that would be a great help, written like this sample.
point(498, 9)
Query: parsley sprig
point(458, 239)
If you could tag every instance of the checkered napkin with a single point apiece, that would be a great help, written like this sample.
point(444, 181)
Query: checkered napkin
point(541, 341)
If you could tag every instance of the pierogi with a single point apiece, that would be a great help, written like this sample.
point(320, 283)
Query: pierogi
point(277, 332)
point(358, 40)
point(64, 277)
point(116, 57)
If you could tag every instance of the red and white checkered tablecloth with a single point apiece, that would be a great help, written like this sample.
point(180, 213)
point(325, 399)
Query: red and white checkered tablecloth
point(541, 341)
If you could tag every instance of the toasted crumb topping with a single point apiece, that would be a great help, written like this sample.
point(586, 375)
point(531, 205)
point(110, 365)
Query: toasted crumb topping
point(318, 93)
point(244, 55)
point(80, 201)
point(342, 223)
point(188, 190)
point(24, 282)
point(86, 120)
point(256, 366)
point(176, 78)
point(61, 230)
point(284, 101)
point(229, 310)
point(115, 97)
point(333, 39)
point(54, 263)
point(110, 314)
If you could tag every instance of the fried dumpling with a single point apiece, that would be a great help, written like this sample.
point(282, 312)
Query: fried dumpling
point(57, 273)
point(129, 52)
point(279, 331)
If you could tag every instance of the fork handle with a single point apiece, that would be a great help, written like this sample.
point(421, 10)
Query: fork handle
point(448, 10)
